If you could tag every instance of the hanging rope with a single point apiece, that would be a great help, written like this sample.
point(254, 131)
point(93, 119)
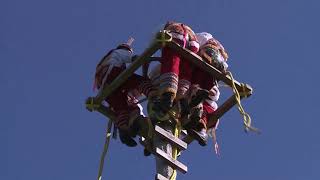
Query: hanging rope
point(105, 149)
point(246, 116)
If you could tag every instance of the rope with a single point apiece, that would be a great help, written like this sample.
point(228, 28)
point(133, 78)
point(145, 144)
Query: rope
point(163, 39)
point(105, 149)
point(246, 116)
point(177, 131)
point(91, 105)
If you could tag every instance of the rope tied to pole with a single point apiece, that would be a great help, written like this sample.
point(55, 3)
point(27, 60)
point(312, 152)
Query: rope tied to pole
point(163, 39)
point(91, 105)
point(238, 95)
point(177, 131)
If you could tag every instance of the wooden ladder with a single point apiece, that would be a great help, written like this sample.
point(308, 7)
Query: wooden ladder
point(168, 137)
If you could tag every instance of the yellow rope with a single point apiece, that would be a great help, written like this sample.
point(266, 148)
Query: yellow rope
point(177, 131)
point(91, 105)
point(105, 149)
point(163, 39)
point(246, 116)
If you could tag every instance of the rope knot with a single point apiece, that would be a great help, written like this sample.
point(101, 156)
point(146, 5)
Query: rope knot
point(163, 38)
point(91, 105)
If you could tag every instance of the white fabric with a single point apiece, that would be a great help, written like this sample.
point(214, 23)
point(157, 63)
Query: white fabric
point(194, 44)
point(117, 58)
point(213, 99)
point(203, 37)
point(179, 36)
point(133, 99)
point(182, 38)
point(141, 110)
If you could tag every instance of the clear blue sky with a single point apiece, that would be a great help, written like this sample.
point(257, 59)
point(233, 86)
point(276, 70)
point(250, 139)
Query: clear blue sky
point(48, 52)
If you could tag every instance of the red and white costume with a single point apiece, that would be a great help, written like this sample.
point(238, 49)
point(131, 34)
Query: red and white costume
point(109, 68)
point(203, 79)
point(175, 71)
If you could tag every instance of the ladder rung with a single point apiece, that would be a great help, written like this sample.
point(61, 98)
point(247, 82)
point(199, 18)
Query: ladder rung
point(160, 177)
point(172, 162)
point(171, 138)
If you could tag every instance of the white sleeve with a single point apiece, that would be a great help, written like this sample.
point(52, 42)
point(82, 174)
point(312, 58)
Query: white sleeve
point(203, 37)
point(217, 93)
point(122, 55)
point(212, 100)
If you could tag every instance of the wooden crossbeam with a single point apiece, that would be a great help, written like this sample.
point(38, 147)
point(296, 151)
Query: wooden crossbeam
point(175, 141)
point(197, 61)
point(109, 88)
point(172, 162)
point(225, 107)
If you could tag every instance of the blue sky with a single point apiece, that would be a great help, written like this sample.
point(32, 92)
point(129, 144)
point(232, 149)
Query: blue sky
point(48, 52)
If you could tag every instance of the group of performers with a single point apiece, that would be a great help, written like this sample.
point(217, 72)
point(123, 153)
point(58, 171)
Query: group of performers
point(176, 83)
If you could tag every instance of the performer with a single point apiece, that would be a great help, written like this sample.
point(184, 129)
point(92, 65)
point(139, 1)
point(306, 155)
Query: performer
point(175, 71)
point(212, 52)
point(108, 69)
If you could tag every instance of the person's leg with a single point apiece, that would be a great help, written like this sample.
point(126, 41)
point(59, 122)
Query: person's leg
point(140, 83)
point(184, 78)
point(118, 101)
point(170, 63)
point(199, 130)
